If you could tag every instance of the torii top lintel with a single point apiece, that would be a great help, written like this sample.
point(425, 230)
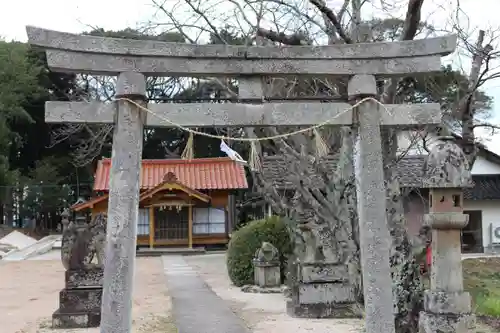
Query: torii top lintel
point(109, 56)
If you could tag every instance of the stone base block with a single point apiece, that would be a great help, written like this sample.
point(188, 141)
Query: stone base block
point(80, 300)
point(263, 290)
point(323, 310)
point(441, 302)
point(439, 323)
point(313, 293)
point(83, 278)
point(267, 275)
point(323, 272)
point(323, 300)
point(76, 319)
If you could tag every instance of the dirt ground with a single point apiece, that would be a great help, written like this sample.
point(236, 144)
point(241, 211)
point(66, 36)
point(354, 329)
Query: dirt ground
point(30, 294)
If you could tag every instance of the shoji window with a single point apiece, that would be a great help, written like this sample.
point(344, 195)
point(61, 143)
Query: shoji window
point(143, 223)
point(209, 221)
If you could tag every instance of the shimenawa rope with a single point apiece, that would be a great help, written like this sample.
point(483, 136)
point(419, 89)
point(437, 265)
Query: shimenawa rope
point(254, 162)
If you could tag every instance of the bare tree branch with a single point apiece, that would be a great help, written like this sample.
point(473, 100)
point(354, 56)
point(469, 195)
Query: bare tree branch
point(412, 21)
point(323, 8)
point(280, 37)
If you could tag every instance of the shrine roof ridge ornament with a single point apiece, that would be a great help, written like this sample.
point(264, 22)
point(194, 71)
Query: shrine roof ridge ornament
point(109, 56)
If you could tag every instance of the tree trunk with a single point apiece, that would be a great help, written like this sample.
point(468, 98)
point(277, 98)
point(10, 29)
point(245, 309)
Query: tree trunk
point(466, 108)
point(9, 207)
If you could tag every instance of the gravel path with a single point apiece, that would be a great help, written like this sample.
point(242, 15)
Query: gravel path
point(30, 294)
point(263, 313)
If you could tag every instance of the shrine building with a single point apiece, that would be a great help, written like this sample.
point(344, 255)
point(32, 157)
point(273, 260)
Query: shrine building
point(182, 202)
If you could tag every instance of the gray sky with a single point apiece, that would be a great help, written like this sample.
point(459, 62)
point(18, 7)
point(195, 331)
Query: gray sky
point(76, 16)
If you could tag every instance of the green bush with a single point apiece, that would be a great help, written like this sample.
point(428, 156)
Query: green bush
point(245, 242)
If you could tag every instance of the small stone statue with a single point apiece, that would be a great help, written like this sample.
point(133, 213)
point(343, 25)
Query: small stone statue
point(266, 264)
point(81, 244)
point(267, 253)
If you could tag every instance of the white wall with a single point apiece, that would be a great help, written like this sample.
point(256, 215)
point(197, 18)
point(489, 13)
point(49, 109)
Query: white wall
point(484, 167)
point(490, 215)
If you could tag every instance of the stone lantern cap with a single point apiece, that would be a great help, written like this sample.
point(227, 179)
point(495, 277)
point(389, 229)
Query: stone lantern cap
point(446, 166)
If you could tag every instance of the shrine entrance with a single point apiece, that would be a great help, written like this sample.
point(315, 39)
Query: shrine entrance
point(133, 60)
point(171, 224)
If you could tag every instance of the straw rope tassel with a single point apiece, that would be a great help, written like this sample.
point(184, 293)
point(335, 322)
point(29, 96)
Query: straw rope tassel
point(254, 159)
point(188, 152)
point(320, 145)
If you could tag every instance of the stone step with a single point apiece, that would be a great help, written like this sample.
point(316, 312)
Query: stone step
point(84, 278)
point(80, 300)
point(82, 319)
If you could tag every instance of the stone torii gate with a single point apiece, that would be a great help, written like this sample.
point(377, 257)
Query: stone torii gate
point(132, 60)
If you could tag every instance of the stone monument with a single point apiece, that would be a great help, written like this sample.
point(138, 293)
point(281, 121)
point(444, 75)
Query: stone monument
point(80, 300)
point(320, 286)
point(447, 308)
point(266, 264)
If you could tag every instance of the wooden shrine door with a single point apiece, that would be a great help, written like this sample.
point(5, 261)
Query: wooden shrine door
point(171, 225)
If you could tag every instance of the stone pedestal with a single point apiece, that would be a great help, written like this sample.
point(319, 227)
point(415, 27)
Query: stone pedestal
point(322, 291)
point(267, 274)
point(447, 312)
point(80, 301)
point(447, 308)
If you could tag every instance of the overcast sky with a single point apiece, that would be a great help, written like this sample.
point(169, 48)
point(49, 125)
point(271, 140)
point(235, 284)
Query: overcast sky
point(76, 16)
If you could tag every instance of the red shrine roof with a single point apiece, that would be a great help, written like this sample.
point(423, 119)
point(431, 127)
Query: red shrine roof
point(197, 174)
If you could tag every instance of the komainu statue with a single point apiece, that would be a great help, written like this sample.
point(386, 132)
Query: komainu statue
point(81, 244)
point(80, 300)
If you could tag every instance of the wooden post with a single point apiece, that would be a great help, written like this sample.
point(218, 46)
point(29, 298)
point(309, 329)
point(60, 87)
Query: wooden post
point(190, 226)
point(123, 208)
point(151, 226)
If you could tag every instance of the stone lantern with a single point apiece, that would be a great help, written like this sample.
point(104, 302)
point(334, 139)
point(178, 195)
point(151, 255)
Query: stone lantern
point(64, 219)
point(447, 308)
